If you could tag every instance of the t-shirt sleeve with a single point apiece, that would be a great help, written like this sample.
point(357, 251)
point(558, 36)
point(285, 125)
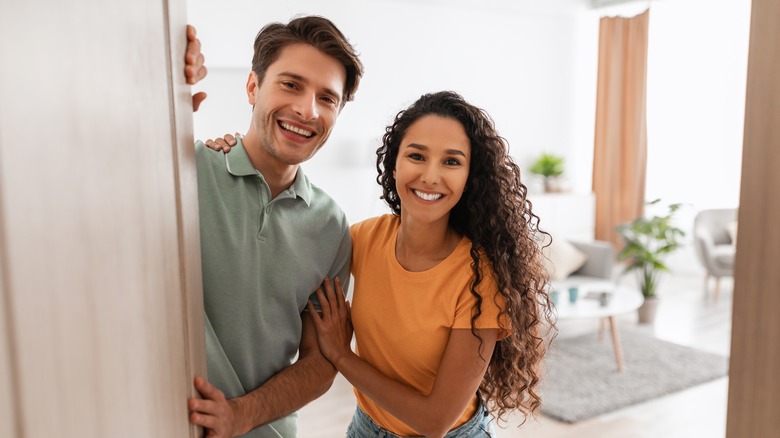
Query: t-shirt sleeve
point(360, 233)
point(492, 305)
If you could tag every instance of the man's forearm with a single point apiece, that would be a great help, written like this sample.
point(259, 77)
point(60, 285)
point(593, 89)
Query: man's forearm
point(286, 392)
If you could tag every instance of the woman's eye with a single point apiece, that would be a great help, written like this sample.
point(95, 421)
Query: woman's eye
point(452, 162)
point(417, 157)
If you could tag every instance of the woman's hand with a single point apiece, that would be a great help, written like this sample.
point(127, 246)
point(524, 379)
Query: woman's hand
point(222, 144)
point(334, 326)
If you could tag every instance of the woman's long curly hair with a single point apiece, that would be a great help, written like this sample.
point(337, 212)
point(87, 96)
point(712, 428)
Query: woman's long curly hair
point(495, 214)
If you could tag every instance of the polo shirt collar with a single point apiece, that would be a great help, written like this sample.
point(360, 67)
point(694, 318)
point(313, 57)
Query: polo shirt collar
point(237, 161)
point(301, 186)
point(238, 164)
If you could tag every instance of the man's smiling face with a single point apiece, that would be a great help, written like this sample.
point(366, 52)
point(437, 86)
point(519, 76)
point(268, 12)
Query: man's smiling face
point(297, 103)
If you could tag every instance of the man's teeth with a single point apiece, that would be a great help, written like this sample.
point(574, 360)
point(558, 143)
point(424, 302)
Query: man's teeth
point(297, 130)
point(427, 196)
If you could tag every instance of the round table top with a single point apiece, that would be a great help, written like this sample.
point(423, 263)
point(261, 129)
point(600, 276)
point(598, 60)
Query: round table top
point(620, 300)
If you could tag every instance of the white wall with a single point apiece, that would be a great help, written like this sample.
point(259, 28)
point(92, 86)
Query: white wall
point(697, 71)
point(520, 66)
point(530, 64)
point(696, 105)
point(696, 100)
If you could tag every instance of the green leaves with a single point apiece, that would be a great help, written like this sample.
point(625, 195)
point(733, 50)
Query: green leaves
point(648, 240)
point(548, 165)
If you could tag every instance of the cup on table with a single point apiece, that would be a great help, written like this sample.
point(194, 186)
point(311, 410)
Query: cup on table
point(573, 294)
point(604, 299)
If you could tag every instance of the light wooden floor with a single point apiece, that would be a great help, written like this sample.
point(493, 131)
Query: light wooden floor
point(686, 316)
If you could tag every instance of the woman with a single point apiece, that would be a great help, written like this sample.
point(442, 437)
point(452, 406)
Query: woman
point(449, 302)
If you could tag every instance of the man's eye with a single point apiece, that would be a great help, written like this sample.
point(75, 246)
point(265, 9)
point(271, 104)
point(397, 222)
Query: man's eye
point(288, 84)
point(329, 100)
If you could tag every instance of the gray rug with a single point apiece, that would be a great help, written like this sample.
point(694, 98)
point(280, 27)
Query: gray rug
point(582, 381)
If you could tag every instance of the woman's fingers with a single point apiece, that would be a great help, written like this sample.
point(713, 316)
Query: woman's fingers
point(231, 140)
point(340, 290)
point(324, 304)
point(336, 294)
point(315, 316)
point(211, 144)
point(332, 300)
point(335, 305)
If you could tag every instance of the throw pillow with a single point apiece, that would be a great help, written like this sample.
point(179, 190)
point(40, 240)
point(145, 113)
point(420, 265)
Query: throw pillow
point(731, 228)
point(562, 259)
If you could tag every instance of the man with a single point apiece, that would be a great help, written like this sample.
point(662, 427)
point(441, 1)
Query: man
point(269, 237)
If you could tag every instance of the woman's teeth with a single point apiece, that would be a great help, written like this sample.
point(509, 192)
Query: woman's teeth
point(427, 196)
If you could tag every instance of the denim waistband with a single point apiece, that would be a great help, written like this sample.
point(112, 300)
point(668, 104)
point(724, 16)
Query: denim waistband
point(363, 426)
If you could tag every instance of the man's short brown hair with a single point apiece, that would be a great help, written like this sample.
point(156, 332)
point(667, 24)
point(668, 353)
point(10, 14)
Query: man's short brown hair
point(315, 31)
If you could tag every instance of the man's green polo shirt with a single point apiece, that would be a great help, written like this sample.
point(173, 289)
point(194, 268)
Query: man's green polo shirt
point(262, 258)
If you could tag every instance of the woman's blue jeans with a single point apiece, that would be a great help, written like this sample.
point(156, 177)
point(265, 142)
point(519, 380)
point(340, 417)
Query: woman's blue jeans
point(479, 426)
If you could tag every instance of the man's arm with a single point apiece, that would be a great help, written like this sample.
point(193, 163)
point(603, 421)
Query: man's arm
point(292, 388)
point(284, 393)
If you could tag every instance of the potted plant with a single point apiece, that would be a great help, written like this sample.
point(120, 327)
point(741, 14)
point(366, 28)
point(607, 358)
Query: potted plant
point(648, 241)
point(549, 166)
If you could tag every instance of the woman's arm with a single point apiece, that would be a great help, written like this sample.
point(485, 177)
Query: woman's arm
point(460, 373)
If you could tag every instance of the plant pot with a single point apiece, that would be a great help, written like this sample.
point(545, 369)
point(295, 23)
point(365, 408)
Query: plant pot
point(647, 310)
point(552, 184)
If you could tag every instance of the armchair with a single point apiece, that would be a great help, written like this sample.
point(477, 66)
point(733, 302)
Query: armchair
point(714, 245)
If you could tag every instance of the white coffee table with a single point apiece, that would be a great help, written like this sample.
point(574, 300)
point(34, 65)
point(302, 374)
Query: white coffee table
point(622, 300)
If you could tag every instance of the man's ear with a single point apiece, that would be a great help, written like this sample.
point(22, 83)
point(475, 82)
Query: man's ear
point(251, 88)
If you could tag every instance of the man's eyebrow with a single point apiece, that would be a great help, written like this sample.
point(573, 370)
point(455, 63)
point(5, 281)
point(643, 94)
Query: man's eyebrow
point(302, 79)
point(424, 148)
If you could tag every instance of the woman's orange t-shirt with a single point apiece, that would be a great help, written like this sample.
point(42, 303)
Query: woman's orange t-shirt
point(402, 319)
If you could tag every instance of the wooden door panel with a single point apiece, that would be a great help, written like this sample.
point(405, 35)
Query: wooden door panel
point(8, 416)
point(92, 217)
point(754, 386)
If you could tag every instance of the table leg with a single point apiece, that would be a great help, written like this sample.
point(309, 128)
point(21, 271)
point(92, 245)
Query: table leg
point(602, 323)
point(616, 344)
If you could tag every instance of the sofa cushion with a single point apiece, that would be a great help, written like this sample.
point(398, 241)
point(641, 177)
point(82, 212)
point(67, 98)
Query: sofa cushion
point(562, 258)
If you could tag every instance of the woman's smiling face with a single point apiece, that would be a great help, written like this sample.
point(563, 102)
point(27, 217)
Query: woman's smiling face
point(432, 168)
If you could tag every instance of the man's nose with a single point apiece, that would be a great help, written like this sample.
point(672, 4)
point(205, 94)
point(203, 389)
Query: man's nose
point(306, 106)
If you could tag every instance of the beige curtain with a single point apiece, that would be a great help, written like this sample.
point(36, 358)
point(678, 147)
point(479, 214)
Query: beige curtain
point(620, 150)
